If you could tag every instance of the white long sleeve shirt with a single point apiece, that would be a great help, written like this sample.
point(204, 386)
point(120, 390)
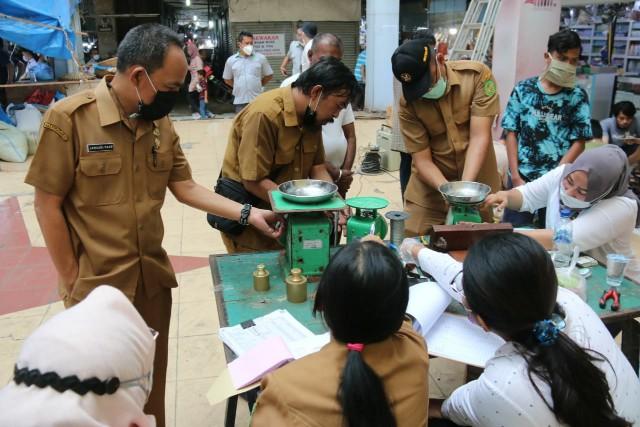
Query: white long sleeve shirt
point(604, 228)
point(504, 395)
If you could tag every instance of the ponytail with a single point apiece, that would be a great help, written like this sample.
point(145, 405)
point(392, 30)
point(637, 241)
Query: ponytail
point(362, 396)
point(579, 389)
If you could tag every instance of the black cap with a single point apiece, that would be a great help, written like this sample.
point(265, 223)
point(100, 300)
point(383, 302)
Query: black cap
point(410, 64)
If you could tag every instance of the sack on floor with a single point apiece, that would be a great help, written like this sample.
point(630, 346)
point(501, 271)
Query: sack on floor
point(13, 144)
point(28, 121)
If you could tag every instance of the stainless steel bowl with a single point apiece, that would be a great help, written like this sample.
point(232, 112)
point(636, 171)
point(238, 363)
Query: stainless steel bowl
point(307, 190)
point(465, 192)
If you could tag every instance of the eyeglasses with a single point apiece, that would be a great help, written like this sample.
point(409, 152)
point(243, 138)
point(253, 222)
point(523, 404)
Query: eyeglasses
point(145, 382)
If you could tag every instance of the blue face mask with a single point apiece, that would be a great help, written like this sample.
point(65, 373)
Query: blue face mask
point(438, 89)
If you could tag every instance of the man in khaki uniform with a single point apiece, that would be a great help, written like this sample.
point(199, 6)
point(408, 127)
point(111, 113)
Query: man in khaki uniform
point(445, 117)
point(101, 170)
point(278, 138)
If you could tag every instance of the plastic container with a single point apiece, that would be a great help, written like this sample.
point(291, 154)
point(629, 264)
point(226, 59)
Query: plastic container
point(573, 282)
point(563, 240)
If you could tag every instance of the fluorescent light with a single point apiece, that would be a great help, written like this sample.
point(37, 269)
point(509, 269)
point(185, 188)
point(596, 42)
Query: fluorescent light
point(195, 17)
point(187, 2)
point(453, 31)
point(210, 24)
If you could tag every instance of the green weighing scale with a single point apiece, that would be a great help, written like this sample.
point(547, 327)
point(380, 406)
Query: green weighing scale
point(465, 199)
point(307, 238)
point(366, 218)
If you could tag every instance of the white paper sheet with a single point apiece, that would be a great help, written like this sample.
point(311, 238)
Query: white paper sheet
point(279, 322)
point(427, 302)
point(308, 345)
point(455, 337)
point(448, 335)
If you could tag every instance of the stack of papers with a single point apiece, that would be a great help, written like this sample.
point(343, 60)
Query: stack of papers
point(448, 335)
point(266, 343)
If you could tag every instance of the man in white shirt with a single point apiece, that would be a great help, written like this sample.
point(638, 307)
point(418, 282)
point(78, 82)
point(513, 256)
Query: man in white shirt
point(309, 31)
point(338, 136)
point(246, 72)
point(294, 55)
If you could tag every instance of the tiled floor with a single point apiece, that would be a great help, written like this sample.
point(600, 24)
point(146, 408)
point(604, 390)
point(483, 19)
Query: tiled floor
point(27, 277)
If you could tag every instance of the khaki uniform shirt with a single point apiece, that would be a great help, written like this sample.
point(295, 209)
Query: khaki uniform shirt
point(112, 189)
point(266, 141)
point(443, 126)
point(304, 392)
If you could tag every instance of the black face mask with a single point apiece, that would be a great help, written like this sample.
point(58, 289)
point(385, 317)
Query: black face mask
point(161, 105)
point(309, 118)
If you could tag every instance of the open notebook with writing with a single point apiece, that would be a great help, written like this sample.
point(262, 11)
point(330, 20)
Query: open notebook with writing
point(450, 336)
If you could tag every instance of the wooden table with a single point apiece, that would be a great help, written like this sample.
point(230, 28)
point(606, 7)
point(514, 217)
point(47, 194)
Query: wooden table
point(237, 301)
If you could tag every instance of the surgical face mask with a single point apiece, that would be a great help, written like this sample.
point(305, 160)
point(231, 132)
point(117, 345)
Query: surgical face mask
point(248, 49)
point(309, 118)
point(572, 202)
point(96, 57)
point(438, 89)
point(161, 105)
point(560, 73)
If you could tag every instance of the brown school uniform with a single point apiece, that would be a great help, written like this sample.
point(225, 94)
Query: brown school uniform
point(304, 392)
point(113, 188)
point(443, 126)
point(266, 141)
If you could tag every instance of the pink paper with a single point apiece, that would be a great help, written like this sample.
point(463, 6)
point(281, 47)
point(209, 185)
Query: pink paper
point(265, 357)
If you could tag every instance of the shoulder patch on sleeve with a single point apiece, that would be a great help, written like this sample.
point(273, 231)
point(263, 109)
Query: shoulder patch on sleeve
point(489, 87)
point(55, 129)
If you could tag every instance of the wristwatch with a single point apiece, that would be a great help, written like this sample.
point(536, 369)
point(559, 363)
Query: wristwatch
point(244, 214)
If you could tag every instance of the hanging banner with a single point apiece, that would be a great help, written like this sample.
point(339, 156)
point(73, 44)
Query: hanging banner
point(269, 44)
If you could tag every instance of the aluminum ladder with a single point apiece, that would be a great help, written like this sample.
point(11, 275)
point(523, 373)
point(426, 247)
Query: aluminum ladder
point(476, 29)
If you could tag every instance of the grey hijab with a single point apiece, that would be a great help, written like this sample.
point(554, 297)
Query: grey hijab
point(608, 171)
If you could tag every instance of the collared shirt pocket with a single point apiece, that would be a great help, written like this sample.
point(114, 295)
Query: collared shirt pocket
point(158, 172)
point(433, 122)
point(100, 181)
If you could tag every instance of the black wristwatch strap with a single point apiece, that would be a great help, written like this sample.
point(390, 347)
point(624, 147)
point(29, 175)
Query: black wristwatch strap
point(244, 214)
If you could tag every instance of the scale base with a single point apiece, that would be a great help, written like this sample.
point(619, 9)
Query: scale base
point(458, 214)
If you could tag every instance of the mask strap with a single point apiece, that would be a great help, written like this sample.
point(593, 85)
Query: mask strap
point(317, 102)
point(150, 82)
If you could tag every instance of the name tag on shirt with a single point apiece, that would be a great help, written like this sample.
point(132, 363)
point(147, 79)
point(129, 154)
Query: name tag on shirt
point(99, 148)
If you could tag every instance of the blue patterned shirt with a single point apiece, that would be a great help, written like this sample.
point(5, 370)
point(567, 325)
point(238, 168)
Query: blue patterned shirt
point(362, 60)
point(546, 125)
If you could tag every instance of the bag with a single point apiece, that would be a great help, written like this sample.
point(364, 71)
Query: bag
point(13, 144)
point(235, 191)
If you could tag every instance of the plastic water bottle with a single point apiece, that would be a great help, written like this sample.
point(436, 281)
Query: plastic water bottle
point(563, 240)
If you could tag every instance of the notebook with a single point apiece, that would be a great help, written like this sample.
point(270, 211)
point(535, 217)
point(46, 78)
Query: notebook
point(450, 336)
point(265, 357)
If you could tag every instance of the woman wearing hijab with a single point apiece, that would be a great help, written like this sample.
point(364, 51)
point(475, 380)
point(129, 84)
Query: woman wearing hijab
point(89, 366)
point(596, 189)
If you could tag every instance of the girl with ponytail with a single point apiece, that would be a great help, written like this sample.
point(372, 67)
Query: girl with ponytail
point(374, 371)
point(559, 365)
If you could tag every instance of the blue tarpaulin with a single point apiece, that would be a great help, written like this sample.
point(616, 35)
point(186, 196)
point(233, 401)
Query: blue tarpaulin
point(38, 25)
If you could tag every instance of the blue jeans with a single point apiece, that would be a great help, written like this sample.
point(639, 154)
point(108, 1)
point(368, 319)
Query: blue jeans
point(203, 109)
point(524, 219)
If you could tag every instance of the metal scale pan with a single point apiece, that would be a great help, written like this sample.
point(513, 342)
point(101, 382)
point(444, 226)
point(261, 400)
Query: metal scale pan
point(465, 193)
point(308, 190)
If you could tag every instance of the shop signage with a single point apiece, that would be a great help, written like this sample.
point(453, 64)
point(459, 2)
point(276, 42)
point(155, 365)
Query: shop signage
point(269, 44)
